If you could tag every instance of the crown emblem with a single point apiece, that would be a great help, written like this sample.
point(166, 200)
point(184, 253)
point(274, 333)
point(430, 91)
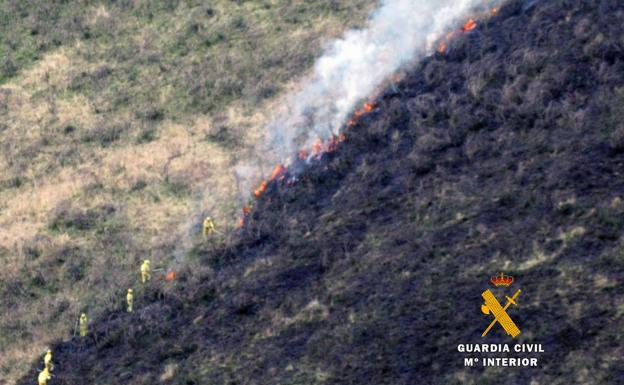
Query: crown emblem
point(501, 280)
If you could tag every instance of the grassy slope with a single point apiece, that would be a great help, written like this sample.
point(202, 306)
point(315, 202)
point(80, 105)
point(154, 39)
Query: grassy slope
point(506, 153)
point(112, 114)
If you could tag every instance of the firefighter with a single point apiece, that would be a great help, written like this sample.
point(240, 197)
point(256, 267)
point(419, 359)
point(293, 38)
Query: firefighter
point(209, 226)
point(47, 361)
point(44, 376)
point(83, 325)
point(129, 300)
point(145, 271)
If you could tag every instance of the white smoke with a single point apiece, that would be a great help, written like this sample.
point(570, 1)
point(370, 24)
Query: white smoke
point(353, 67)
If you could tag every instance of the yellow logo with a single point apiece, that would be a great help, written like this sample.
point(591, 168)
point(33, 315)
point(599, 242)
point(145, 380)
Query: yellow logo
point(492, 306)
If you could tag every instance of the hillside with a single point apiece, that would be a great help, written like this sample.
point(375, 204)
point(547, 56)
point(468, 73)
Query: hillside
point(114, 117)
point(505, 152)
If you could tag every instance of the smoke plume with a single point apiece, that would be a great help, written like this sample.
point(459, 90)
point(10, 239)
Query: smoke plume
point(353, 68)
point(350, 70)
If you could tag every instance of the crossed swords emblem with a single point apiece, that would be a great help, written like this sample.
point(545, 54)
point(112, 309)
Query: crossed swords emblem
point(500, 313)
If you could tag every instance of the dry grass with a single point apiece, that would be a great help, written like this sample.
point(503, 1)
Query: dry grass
point(96, 123)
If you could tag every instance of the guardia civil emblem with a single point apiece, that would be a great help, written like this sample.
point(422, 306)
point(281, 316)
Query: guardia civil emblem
point(498, 311)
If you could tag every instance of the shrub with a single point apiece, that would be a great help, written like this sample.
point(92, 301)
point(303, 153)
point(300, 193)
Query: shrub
point(79, 219)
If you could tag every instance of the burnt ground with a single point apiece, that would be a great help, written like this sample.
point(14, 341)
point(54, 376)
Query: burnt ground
point(505, 153)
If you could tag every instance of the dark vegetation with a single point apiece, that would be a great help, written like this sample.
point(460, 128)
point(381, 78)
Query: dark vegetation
point(506, 153)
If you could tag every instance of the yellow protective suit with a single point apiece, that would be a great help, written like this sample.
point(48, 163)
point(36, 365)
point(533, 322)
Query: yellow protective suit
point(209, 226)
point(47, 361)
point(129, 300)
point(145, 271)
point(44, 376)
point(83, 325)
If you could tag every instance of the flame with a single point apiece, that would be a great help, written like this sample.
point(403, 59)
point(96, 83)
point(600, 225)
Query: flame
point(261, 189)
point(170, 276)
point(467, 27)
point(494, 11)
point(470, 25)
point(277, 171)
point(317, 147)
point(357, 114)
point(241, 220)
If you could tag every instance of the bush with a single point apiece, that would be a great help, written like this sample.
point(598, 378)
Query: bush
point(79, 219)
point(105, 133)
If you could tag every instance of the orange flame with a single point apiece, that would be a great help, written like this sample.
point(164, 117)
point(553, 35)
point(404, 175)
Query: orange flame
point(470, 25)
point(368, 107)
point(277, 171)
point(494, 11)
point(442, 47)
point(260, 190)
point(241, 220)
point(170, 276)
